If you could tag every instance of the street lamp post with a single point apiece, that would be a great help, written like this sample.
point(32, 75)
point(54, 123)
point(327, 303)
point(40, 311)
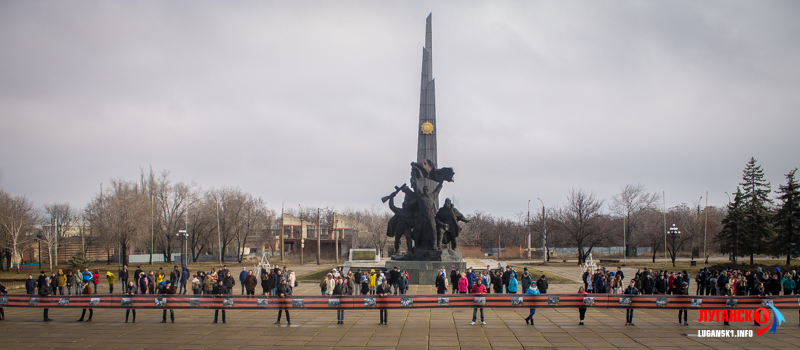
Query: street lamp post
point(674, 232)
point(183, 235)
point(544, 232)
point(529, 229)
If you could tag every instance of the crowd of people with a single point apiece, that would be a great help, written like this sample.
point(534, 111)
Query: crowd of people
point(281, 282)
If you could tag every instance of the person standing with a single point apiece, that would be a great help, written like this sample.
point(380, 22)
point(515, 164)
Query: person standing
point(339, 290)
point(463, 284)
point(513, 284)
point(111, 279)
point(402, 282)
point(30, 285)
point(95, 279)
point(242, 278)
point(3, 290)
point(130, 290)
point(683, 289)
point(151, 282)
point(441, 285)
point(62, 282)
point(542, 284)
point(87, 290)
point(633, 291)
point(196, 285)
point(479, 289)
point(250, 283)
point(282, 292)
point(291, 280)
point(455, 275)
point(323, 285)
point(384, 290)
point(220, 290)
point(527, 279)
point(208, 284)
point(372, 277)
point(582, 310)
point(70, 282)
point(45, 291)
point(166, 290)
point(470, 278)
point(497, 282)
point(142, 283)
point(229, 282)
point(394, 277)
point(184, 278)
point(532, 290)
point(123, 276)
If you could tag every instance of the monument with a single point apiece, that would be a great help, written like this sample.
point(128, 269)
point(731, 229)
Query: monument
point(427, 228)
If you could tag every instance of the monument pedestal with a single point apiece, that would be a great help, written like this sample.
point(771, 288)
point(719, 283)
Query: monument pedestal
point(424, 272)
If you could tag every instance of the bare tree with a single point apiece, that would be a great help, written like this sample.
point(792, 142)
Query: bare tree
point(629, 204)
point(579, 219)
point(17, 217)
point(120, 216)
point(62, 217)
point(374, 221)
point(170, 203)
point(687, 222)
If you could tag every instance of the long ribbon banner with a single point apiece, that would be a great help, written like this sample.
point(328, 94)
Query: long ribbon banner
point(155, 301)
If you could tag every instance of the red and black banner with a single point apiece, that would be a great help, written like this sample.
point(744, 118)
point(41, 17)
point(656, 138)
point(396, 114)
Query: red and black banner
point(155, 301)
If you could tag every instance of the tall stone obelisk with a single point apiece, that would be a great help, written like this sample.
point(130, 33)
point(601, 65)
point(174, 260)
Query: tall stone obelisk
point(426, 140)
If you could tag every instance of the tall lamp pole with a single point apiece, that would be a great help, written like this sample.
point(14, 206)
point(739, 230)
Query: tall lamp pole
point(529, 229)
point(544, 232)
point(182, 235)
point(674, 232)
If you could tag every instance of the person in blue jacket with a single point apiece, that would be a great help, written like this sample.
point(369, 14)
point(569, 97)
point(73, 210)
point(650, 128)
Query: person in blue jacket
point(470, 278)
point(532, 289)
point(242, 277)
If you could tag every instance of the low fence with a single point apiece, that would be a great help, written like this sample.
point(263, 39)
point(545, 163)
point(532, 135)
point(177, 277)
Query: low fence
point(399, 301)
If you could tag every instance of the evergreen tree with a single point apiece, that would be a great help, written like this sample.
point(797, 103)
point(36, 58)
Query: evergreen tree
point(787, 218)
point(729, 237)
point(756, 226)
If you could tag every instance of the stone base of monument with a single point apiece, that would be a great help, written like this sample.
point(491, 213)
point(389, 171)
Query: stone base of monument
point(422, 265)
point(424, 272)
point(420, 254)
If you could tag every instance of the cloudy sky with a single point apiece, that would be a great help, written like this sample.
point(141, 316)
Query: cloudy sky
point(316, 102)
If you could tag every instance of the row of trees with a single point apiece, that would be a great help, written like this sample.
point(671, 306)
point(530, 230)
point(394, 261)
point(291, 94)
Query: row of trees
point(754, 224)
point(147, 215)
point(586, 221)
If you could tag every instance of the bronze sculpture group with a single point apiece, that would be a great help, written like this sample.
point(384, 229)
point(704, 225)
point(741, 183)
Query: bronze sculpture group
point(427, 230)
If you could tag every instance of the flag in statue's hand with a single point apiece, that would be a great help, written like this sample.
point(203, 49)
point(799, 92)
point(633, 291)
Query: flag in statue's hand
point(427, 170)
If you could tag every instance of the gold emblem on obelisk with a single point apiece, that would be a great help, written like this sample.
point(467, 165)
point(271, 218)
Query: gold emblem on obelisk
point(426, 127)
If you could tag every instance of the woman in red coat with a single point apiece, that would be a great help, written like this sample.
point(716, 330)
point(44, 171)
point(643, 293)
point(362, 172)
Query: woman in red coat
point(478, 288)
point(96, 281)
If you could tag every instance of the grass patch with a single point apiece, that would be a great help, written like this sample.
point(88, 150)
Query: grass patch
point(536, 273)
point(315, 276)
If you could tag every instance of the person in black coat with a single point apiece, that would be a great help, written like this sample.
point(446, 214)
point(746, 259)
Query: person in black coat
point(44, 291)
point(455, 275)
point(87, 290)
point(542, 284)
point(497, 282)
point(339, 290)
point(3, 290)
point(30, 285)
point(631, 290)
point(220, 290)
point(123, 276)
point(229, 282)
point(383, 291)
point(167, 289)
point(441, 285)
point(283, 291)
point(130, 290)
